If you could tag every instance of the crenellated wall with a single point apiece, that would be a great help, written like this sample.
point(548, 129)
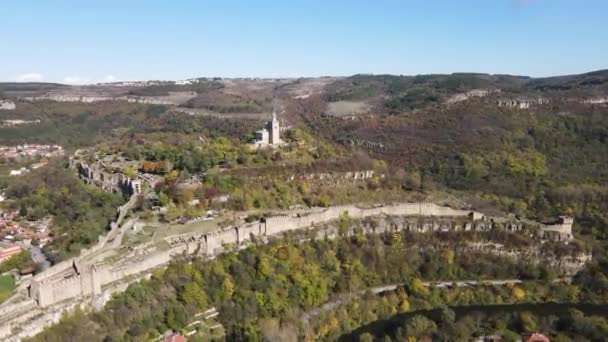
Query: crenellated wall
point(561, 230)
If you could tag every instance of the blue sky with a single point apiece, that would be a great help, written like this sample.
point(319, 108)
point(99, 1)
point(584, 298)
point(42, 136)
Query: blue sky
point(95, 40)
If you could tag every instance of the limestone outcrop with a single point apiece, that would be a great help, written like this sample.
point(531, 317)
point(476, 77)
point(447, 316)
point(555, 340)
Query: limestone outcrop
point(172, 99)
point(7, 105)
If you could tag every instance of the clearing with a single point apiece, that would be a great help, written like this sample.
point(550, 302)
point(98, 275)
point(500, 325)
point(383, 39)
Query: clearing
point(7, 285)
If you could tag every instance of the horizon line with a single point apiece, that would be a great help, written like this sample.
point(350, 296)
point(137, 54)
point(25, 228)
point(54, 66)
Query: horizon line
point(118, 81)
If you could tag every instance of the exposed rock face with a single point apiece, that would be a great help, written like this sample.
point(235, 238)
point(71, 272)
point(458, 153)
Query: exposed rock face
point(522, 103)
point(173, 99)
point(17, 122)
point(472, 93)
point(596, 100)
point(111, 182)
point(337, 176)
point(7, 105)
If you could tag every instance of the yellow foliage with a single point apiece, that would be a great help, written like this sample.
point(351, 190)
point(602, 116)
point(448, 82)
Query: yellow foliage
point(334, 323)
point(518, 293)
point(419, 288)
point(323, 331)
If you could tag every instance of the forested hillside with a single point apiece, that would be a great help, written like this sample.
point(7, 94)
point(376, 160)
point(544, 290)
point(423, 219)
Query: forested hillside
point(524, 148)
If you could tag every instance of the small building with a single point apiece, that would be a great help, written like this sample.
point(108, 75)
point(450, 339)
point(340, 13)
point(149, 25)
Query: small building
point(535, 337)
point(7, 251)
point(175, 338)
point(19, 172)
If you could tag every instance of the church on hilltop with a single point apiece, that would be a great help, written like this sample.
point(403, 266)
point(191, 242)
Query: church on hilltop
point(269, 136)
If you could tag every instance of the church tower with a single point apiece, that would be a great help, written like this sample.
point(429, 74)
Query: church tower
point(274, 138)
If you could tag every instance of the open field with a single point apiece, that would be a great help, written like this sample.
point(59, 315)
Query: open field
point(342, 108)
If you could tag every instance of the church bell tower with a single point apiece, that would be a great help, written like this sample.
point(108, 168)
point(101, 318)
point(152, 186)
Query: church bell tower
point(274, 138)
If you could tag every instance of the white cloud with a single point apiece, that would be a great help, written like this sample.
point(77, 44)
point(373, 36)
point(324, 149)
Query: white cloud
point(108, 79)
point(30, 77)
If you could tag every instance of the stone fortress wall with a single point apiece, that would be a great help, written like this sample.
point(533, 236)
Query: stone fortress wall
point(82, 280)
point(77, 278)
point(70, 281)
point(561, 230)
point(74, 278)
point(84, 277)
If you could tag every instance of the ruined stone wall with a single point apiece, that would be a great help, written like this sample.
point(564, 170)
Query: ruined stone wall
point(112, 182)
point(562, 230)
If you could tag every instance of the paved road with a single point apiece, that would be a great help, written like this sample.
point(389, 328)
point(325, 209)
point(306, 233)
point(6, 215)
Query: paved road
point(116, 240)
point(463, 283)
point(37, 255)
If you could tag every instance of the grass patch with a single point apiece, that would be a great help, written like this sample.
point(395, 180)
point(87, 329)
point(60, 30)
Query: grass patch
point(175, 229)
point(7, 285)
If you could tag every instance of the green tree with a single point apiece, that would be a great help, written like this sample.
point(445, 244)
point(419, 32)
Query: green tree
point(419, 326)
point(193, 294)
